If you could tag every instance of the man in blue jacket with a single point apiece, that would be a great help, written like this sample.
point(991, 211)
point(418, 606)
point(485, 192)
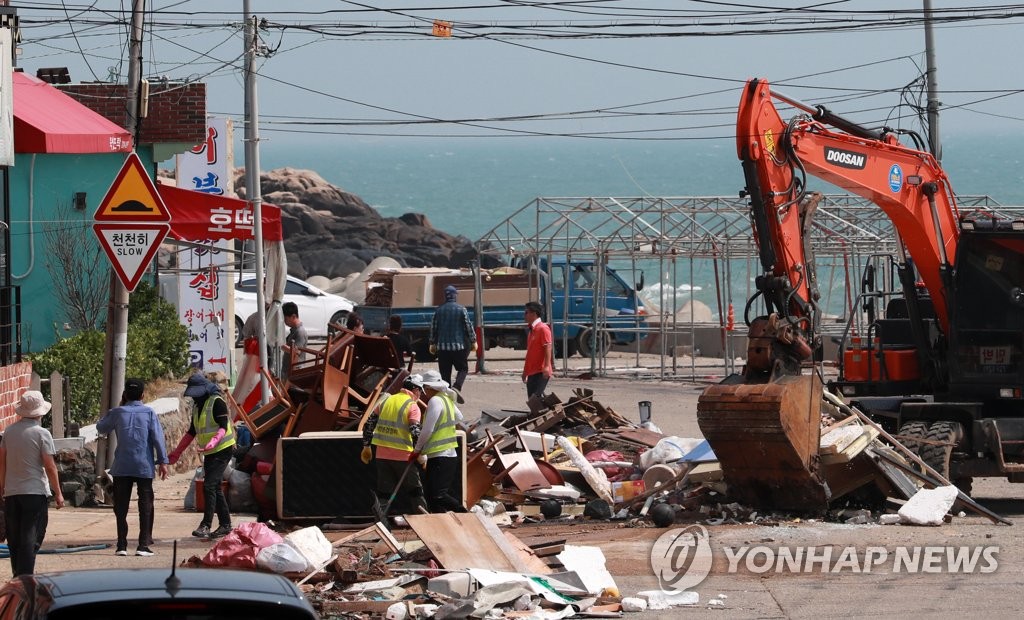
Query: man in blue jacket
point(140, 444)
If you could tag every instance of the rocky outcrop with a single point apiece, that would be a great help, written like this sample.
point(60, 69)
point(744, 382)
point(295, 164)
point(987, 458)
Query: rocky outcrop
point(332, 233)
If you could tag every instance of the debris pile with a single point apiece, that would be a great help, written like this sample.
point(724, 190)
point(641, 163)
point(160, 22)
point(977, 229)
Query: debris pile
point(450, 565)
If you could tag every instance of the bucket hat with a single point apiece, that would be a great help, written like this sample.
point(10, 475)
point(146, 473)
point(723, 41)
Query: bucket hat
point(32, 405)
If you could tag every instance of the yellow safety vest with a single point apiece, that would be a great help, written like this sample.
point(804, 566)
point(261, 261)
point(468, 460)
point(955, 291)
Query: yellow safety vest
point(443, 436)
point(206, 427)
point(392, 430)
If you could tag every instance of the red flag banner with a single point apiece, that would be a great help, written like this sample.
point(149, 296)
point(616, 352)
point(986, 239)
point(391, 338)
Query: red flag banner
point(197, 216)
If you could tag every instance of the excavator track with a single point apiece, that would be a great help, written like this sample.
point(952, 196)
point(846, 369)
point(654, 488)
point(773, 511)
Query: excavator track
point(766, 438)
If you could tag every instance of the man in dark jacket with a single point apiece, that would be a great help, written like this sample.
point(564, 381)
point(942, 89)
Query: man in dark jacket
point(451, 338)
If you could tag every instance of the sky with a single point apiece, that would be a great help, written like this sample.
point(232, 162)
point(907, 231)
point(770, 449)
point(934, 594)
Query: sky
point(579, 69)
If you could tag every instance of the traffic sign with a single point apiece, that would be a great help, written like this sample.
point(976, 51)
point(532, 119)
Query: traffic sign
point(132, 197)
point(130, 247)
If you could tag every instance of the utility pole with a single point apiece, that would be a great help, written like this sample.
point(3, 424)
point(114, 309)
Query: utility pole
point(253, 192)
point(116, 347)
point(934, 144)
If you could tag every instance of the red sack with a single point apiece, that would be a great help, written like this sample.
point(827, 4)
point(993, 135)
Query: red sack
point(595, 456)
point(239, 548)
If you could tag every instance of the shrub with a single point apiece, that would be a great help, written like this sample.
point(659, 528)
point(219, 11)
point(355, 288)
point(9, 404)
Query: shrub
point(157, 348)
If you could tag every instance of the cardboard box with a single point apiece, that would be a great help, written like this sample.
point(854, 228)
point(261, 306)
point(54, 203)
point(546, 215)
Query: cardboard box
point(627, 490)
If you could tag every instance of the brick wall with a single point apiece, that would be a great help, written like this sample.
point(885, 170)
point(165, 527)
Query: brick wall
point(14, 380)
point(177, 112)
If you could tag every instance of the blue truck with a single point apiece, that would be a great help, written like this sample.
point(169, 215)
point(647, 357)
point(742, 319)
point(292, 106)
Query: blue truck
point(565, 287)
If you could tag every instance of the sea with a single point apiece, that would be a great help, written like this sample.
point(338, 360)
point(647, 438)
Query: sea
point(468, 186)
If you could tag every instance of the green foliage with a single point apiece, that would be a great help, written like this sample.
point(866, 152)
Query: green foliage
point(157, 348)
point(80, 358)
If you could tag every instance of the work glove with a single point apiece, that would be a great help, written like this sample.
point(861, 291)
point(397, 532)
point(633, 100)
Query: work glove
point(210, 445)
point(433, 349)
point(421, 460)
point(366, 455)
point(175, 454)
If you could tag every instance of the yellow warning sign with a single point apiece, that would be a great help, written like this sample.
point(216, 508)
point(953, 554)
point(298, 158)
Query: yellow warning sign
point(132, 197)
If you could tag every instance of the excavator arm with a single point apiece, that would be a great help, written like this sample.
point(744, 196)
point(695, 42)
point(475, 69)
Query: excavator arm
point(908, 185)
point(764, 426)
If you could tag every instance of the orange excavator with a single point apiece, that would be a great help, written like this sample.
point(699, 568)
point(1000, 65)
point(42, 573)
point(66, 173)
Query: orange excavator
point(944, 366)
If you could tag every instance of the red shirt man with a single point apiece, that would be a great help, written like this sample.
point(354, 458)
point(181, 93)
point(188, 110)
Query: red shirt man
point(539, 364)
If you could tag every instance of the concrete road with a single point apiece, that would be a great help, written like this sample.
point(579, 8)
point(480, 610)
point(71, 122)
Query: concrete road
point(750, 591)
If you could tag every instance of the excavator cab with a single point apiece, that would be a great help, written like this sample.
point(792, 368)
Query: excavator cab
point(986, 342)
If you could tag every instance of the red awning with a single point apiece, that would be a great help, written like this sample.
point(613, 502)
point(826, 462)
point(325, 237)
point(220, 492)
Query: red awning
point(196, 216)
point(48, 121)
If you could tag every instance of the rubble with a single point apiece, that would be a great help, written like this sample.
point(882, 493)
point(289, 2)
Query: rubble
point(566, 461)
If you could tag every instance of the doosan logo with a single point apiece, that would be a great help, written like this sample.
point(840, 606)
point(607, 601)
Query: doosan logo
point(845, 159)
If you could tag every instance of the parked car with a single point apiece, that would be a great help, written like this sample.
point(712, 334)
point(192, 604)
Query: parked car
point(145, 593)
point(316, 308)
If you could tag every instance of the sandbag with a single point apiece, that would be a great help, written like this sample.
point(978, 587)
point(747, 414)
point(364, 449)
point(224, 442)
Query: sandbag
point(241, 546)
point(311, 543)
point(668, 450)
point(239, 496)
point(190, 494)
point(282, 558)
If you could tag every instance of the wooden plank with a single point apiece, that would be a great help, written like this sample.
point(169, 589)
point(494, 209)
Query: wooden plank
point(533, 563)
point(853, 449)
point(706, 472)
point(500, 541)
point(377, 528)
point(839, 438)
point(831, 427)
point(459, 543)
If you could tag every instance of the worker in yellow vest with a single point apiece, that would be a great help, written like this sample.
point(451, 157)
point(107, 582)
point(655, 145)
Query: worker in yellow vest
point(438, 444)
point(212, 428)
point(393, 429)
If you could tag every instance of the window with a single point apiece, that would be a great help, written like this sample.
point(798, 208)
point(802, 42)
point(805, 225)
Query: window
point(294, 288)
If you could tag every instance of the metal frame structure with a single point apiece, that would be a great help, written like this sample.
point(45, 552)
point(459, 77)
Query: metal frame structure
point(691, 231)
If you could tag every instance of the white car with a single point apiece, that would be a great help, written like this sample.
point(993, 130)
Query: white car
point(316, 308)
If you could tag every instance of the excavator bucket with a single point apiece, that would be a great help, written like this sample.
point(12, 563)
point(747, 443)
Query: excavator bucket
point(766, 438)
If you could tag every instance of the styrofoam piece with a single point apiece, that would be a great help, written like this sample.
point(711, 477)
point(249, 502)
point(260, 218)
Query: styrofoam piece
point(928, 506)
point(532, 441)
point(889, 519)
point(398, 611)
point(559, 491)
point(631, 604)
point(589, 564)
point(659, 599)
point(451, 584)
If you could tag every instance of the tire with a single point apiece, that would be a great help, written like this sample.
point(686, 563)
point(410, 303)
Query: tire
point(571, 348)
point(339, 318)
point(238, 332)
point(912, 430)
point(585, 343)
point(945, 436)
